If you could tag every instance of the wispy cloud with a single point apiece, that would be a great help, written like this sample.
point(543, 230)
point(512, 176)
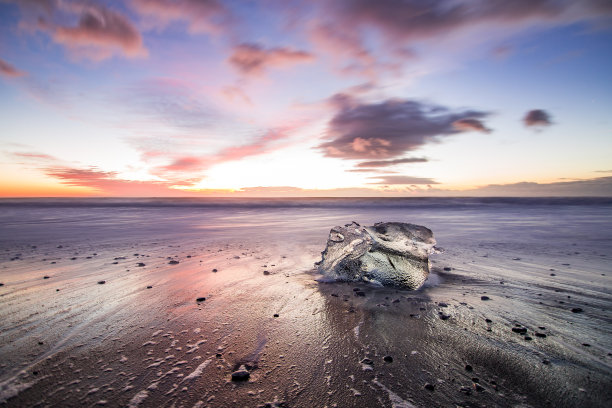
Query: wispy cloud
point(201, 16)
point(387, 163)
point(402, 180)
point(9, 71)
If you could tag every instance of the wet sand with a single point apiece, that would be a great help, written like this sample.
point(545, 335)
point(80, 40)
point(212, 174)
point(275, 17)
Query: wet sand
point(69, 340)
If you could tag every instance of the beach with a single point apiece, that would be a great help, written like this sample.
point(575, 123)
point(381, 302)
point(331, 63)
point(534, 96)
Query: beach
point(156, 302)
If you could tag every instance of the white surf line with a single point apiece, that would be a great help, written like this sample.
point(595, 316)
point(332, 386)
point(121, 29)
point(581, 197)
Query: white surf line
point(396, 400)
point(198, 371)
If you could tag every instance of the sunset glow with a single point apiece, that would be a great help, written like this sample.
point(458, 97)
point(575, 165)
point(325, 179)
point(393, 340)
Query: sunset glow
point(305, 98)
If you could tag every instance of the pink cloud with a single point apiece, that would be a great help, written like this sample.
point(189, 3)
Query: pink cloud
point(253, 59)
point(203, 16)
point(97, 34)
point(108, 183)
point(9, 71)
point(470, 124)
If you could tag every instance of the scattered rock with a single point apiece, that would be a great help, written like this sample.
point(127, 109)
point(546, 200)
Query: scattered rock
point(242, 374)
point(45, 277)
point(173, 262)
point(388, 359)
point(275, 315)
point(519, 330)
point(264, 272)
point(149, 287)
point(200, 299)
point(542, 335)
point(429, 387)
point(469, 368)
point(140, 264)
point(360, 293)
point(214, 270)
point(577, 310)
point(485, 298)
point(442, 304)
point(447, 269)
point(102, 282)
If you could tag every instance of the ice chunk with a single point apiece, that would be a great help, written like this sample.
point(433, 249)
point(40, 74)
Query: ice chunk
point(388, 253)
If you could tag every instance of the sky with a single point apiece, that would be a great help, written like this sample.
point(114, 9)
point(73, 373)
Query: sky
point(305, 98)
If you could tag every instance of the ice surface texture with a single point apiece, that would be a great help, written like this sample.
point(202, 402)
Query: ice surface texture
point(388, 253)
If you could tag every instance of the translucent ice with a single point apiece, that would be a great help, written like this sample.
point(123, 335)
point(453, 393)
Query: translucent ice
point(388, 253)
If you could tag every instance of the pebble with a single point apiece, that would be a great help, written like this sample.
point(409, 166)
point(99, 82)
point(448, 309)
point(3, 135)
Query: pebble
point(485, 298)
point(45, 277)
point(173, 262)
point(442, 304)
point(214, 270)
point(519, 330)
point(275, 314)
point(140, 264)
point(388, 359)
point(468, 367)
point(200, 299)
point(577, 310)
point(149, 287)
point(447, 268)
point(429, 387)
point(360, 293)
point(264, 272)
point(538, 334)
point(102, 282)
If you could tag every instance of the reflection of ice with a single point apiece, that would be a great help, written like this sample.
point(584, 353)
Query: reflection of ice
point(390, 254)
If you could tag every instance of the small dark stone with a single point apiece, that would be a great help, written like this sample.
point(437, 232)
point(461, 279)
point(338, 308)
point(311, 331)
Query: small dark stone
point(115, 263)
point(485, 298)
point(447, 268)
point(57, 290)
point(519, 330)
point(218, 355)
point(102, 282)
point(35, 372)
point(577, 310)
point(528, 338)
point(444, 317)
point(538, 334)
point(360, 293)
point(468, 368)
point(214, 270)
point(429, 387)
point(275, 315)
point(546, 361)
point(388, 359)
point(45, 277)
point(442, 304)
point(173, 262)
point(149, 287)
point(140, 264)
point(241, 374)
point(586, 344)
point(466, 390)
point(40, 343)
point(200, 299)
point(1, 284)
point(334, 294)
point(475, 380)
point(488, 320)
point(356, 289)
point(266, 272)
point(73, 258)
point(553, 274)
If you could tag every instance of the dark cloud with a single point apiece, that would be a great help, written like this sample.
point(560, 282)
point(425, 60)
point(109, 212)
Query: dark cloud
point(253, 59)
point(9, 71)
point(388, 129)
point(402, 180)
point(202, 16)
point(537, 117)
point(386, 163)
